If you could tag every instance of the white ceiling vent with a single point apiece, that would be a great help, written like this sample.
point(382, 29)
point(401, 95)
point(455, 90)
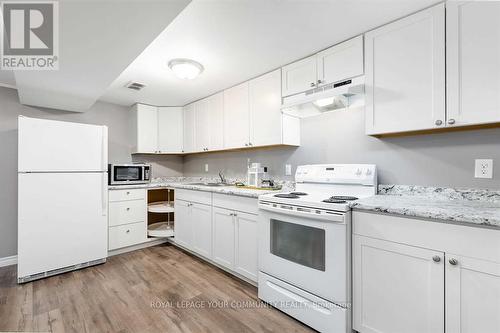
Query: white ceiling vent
point(134, 85)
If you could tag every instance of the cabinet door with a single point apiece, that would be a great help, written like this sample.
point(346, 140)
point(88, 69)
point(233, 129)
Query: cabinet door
point(341, 61)
point(223, 237)
point(147, 128)
point(299, 76)
point(246, 245)
point(202, 125)
point(236, 117)
point(202, 229)
point(405, 74)
point(183, 224)
point(265, 109)
point(189, 128)
point(472, 295)
point(473, 62)
point(216, 121)
point(170, 129)
point(396, 288)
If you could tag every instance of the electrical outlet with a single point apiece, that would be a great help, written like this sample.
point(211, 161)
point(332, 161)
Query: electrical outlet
point(206, 167)
point(288, 169)
point(483, 168)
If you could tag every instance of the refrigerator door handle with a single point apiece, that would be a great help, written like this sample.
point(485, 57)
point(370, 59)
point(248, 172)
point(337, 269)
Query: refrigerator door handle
point(104, 194)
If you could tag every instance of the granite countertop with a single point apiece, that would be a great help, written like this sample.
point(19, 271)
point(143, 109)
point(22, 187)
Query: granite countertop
point(465, 206)
point(186, 183)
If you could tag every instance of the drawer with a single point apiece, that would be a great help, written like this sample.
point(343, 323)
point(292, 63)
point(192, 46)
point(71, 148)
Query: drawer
point(194, 196)
point(233, 202)
point(130, 194)
point(125, 212)
point(127, 235)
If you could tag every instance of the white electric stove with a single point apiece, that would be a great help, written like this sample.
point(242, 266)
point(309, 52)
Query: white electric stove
point(305, 244)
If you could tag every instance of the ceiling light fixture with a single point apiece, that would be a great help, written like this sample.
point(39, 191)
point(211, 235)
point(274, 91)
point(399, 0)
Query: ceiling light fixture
point(186, 69)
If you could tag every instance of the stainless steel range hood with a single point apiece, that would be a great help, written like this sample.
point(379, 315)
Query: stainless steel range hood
point(334, 96)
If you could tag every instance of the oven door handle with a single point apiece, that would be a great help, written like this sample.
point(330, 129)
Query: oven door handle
point(312, 213)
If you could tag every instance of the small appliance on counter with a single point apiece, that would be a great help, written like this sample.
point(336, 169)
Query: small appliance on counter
point(256, 173)
point(127, 174)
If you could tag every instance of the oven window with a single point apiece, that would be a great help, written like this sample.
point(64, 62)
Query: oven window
point(128, 173)
point(298, 243)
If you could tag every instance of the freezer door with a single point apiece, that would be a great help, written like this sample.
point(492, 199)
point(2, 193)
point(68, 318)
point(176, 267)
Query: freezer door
point(48, 145)
point(62, 220)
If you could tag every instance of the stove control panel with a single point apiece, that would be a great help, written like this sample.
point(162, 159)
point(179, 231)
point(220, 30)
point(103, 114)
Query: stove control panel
point(359, 174)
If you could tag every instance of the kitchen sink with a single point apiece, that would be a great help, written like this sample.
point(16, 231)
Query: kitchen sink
point(209, 184)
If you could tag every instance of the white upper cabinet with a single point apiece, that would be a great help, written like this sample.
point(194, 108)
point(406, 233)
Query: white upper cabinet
point(189, 128)
point(405, 74)
point(265, 109)
point(216, 121)
point(341, 61)
point(170, 128)
point(299, 76)
point(236, 117)
point(473, 62)
point(157, 130)
point(202, 125)
point(145, 128)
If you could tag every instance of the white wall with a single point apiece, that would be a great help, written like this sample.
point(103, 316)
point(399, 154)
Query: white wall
point(445, 159)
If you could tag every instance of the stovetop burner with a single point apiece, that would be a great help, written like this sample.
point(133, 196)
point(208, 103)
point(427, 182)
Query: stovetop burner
point(298, 193)
point(337, 201)
point(287, 196)
point(343, 197)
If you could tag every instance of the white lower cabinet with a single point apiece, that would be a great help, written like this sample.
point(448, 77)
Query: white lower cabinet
point(127, 218)
point(201, 216)
point(193, 227)
point(235, 241)
point(472, 295)
point(397, 288)
point(410, 276)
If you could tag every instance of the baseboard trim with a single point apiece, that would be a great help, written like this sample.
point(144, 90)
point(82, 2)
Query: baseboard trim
point(144, 245)
point(8, 261)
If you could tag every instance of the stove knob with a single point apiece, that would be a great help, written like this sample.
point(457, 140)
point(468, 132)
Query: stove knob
point(358, 172)
point(368, 172)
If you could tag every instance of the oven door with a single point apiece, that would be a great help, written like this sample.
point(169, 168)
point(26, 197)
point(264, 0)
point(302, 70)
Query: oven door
point(306, 250)
point(127, 174)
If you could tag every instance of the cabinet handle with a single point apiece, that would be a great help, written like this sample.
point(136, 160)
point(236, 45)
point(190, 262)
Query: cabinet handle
point(313, 84)
point(128, 208)
point(128, 231)
point(319, 81)
point(439, 122)
point(246, 144)
point(453, 261)
point(128, 193)
point(451, 121)
point(436, 258)
point(250, 144)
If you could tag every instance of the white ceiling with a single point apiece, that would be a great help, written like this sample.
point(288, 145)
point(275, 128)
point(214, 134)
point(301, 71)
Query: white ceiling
point(97, 41)
point(238, 40)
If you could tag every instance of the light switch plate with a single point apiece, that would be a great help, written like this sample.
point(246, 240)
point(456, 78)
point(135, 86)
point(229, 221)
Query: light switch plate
point(483, 168)
point(206, 167)
point(288, 169)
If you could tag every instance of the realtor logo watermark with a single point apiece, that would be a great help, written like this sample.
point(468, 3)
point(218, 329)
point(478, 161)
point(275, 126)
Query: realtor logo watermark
point(30, 35)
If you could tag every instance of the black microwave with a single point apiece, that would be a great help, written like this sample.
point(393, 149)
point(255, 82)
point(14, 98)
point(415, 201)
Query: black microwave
point(125, 174)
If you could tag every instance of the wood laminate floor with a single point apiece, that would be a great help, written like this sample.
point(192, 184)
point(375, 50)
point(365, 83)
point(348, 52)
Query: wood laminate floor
point(158, 289)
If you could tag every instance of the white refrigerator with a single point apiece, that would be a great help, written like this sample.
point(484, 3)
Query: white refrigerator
point(62, 197)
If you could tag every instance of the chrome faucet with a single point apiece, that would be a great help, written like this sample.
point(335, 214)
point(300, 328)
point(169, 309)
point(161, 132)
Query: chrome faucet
point(222, 178)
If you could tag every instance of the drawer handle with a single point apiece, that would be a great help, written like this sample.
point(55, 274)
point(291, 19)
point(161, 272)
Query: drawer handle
point(436, 258)
point(128, 208)
point(128, 193)
point(453, 261)
point(128, 231)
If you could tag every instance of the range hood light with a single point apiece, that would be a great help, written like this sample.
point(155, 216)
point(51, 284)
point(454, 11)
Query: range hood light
point(324, 102)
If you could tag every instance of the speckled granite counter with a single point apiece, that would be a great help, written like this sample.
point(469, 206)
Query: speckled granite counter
point(185, 183)
point(474, 207)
